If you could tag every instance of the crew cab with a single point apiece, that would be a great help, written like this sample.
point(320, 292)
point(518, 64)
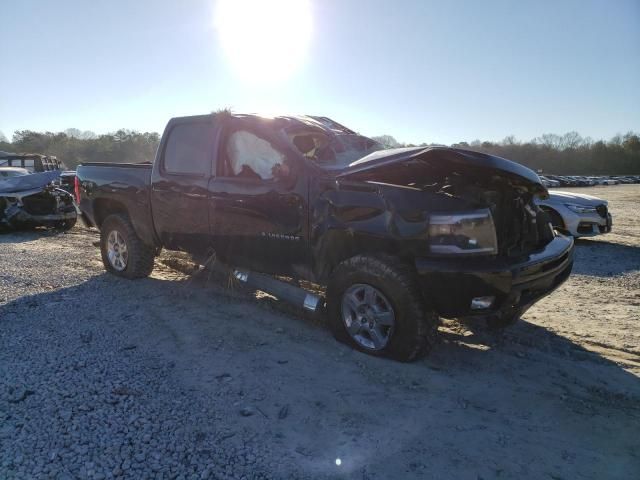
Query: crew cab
point(399, 237)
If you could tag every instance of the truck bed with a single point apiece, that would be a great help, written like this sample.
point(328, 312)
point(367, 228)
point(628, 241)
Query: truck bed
point(109, 185)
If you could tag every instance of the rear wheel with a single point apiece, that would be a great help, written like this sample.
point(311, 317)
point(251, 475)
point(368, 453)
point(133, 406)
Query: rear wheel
point(375, 306)
point(123, 253)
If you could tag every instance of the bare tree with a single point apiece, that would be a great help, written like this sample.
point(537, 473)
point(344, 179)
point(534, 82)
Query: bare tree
point(571, 140)
point(387, 140)
point(549, 140)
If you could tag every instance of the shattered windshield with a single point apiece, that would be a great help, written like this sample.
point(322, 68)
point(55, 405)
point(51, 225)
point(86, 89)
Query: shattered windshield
point(333, 150)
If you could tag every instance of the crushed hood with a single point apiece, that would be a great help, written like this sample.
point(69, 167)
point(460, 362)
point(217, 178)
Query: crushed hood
point(444, 158)
point(28, 182)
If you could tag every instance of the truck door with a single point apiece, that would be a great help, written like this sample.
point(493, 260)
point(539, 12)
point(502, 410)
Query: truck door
point(258, 203)
point(179, 185)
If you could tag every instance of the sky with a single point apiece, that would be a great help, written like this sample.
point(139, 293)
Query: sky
point(422, 71)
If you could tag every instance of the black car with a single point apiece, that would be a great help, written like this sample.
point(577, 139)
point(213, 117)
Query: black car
point(399, 237)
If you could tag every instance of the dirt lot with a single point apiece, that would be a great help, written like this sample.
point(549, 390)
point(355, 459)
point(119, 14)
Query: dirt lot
point(177, 377)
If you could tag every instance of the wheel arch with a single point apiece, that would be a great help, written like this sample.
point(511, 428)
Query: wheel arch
point(555, 216)
point(103, 207)
point(140, 219)
point(338, 245)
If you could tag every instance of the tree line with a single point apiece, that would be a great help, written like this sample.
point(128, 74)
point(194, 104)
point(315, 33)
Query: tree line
point(73, 146)
point(568, 154)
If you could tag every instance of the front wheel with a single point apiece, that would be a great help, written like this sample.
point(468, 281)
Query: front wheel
point(123, 253)
point(375, 305)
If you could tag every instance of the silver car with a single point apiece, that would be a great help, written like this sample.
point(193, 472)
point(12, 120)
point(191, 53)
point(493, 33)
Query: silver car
point(578, 214)
point(9, 172)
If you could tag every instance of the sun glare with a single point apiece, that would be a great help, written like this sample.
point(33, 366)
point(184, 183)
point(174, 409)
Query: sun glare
point(265, 40)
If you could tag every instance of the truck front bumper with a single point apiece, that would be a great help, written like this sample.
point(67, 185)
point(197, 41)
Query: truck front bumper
point(452, 285)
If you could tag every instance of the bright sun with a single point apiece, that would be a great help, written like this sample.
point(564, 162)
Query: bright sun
point(265, 40)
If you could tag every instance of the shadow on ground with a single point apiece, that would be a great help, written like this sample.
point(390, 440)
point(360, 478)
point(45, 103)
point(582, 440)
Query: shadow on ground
point(27, 235)
point(527, 403)
point(593, 257)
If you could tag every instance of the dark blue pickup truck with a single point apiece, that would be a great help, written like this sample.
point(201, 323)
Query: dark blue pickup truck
point(399, 237)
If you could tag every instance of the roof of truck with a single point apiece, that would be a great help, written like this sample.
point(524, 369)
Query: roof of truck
point(282, 121)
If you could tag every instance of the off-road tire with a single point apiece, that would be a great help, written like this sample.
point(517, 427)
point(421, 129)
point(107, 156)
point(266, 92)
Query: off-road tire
point(416, 324)
point(140, 256)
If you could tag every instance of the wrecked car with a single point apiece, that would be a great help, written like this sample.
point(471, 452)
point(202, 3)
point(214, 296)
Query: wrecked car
point(399, 237)
point(8, 172)
point(31, 200)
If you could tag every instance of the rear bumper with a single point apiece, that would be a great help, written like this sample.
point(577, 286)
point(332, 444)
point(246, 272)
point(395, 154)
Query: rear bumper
point(451, 284)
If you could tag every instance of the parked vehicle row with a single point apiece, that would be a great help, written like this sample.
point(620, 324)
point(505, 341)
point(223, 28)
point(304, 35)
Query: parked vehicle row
point(553, 181)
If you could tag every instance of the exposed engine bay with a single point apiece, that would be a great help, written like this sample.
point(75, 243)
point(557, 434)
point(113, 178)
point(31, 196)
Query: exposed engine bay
point(521, 226)
point(31, 201)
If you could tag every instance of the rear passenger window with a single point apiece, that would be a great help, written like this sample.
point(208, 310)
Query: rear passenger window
point(189, 149)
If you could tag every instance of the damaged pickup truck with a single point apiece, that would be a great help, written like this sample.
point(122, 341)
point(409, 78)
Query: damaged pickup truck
point(31, 200)
point(399, 237)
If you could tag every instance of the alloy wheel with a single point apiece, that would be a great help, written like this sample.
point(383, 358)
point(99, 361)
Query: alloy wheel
point(368, 316)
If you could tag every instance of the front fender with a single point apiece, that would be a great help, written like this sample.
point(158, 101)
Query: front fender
point(357, 218)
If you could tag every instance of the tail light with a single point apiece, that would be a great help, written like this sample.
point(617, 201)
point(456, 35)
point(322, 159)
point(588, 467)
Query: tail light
point(76, 189)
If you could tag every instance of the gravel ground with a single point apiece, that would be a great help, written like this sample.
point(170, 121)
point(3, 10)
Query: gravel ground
point(176, 376)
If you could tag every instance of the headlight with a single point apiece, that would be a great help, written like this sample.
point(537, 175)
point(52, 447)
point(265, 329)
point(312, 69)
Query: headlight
point(463, 234)
point(580, 208)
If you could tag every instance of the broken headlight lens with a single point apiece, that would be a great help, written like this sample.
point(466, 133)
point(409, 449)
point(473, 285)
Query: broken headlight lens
point(470, 233)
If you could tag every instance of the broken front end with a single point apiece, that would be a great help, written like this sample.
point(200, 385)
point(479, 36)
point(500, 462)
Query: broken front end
point(32, 201)
point(467, 221)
